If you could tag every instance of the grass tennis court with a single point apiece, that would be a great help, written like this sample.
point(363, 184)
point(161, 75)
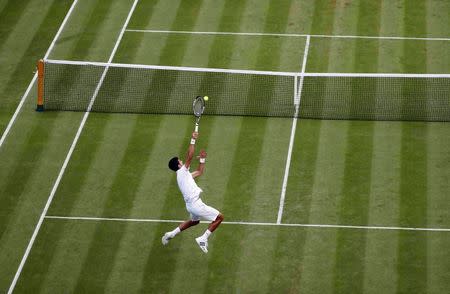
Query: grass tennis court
point(359, 194)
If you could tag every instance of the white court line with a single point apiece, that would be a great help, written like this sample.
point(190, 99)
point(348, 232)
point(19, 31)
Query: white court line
point(294, 127)
point(145, 220)
point(69, 155)
point(24, 97)
point(288, 35)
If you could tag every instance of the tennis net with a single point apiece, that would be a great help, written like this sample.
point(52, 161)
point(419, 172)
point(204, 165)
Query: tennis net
point(130, 88)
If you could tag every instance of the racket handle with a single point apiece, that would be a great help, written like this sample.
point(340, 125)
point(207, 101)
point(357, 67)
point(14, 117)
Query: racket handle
point(196, 127)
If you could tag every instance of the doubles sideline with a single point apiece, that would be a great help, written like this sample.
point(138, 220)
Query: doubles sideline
point(144, 220)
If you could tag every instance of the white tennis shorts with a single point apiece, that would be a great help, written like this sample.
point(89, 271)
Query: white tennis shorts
point(200, 210)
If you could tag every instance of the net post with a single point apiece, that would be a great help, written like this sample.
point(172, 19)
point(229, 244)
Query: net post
point(40, 98)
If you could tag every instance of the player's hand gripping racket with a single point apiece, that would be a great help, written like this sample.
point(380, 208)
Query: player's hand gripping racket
point(198, 106)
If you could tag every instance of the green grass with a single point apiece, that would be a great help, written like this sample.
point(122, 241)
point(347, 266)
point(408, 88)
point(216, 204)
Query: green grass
point(367, 173)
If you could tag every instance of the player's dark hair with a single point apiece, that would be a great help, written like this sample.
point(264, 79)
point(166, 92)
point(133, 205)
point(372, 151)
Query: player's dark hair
point(173, 164)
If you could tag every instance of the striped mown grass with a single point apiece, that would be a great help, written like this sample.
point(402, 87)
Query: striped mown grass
point(342, 172)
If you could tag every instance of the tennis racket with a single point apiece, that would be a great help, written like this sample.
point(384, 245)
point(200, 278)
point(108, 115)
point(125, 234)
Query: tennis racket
point(198, 106)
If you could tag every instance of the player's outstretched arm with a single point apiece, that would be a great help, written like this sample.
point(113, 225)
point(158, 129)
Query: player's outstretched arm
point(201, 166)
point(191, 149)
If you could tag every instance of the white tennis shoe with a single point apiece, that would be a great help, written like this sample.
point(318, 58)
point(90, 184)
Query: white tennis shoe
point(165, 239)
point(202, 243)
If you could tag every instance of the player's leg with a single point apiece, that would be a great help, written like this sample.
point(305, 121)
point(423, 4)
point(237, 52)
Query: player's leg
point(213, 226)
point(183, 226)
point(212, 214)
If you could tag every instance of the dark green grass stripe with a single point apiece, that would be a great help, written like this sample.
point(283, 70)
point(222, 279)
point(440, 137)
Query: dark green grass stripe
point(323, 17)
point(354, 204)
point(9, 16)
point(162, 260)
point(187, 15)
point(142, 14)
point(354, 208)
point(35, 275)
point(244, 168)
point(119, 202)
point(287, 267)
point(412, 248)
point(322, 23)
point(319, 51)
point(303, 172)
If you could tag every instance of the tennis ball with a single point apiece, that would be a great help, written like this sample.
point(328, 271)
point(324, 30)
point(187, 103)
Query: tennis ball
point(206, 98)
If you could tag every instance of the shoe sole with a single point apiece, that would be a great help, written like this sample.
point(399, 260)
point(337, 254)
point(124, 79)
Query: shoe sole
point(205, 250)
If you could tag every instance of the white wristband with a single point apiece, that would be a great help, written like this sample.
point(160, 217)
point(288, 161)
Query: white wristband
point(202, 160)
point(192, 141)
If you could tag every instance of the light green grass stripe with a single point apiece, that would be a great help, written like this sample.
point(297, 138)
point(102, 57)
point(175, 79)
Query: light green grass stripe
point(438, 22)
point(438, 59)
point(328, 182)
point(412, 250)
point(438, 210)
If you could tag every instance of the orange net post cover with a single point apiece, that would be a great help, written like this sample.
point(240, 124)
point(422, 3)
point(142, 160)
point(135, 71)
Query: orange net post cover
point(40, 100)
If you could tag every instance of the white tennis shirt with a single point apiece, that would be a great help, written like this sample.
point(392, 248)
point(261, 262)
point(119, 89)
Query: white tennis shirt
point(188, 187)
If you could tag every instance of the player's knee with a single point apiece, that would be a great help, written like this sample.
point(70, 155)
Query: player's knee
point(220, 217)
point(194, 223)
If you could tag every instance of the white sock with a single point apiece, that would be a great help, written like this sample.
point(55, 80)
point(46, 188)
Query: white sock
point(206, 234)
point(175, 232)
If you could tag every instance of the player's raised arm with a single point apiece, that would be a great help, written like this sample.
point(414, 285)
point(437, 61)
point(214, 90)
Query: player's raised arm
point(201, 166)
point(191, 149)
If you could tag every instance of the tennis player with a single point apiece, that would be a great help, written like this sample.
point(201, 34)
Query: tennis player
point(191, 194)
